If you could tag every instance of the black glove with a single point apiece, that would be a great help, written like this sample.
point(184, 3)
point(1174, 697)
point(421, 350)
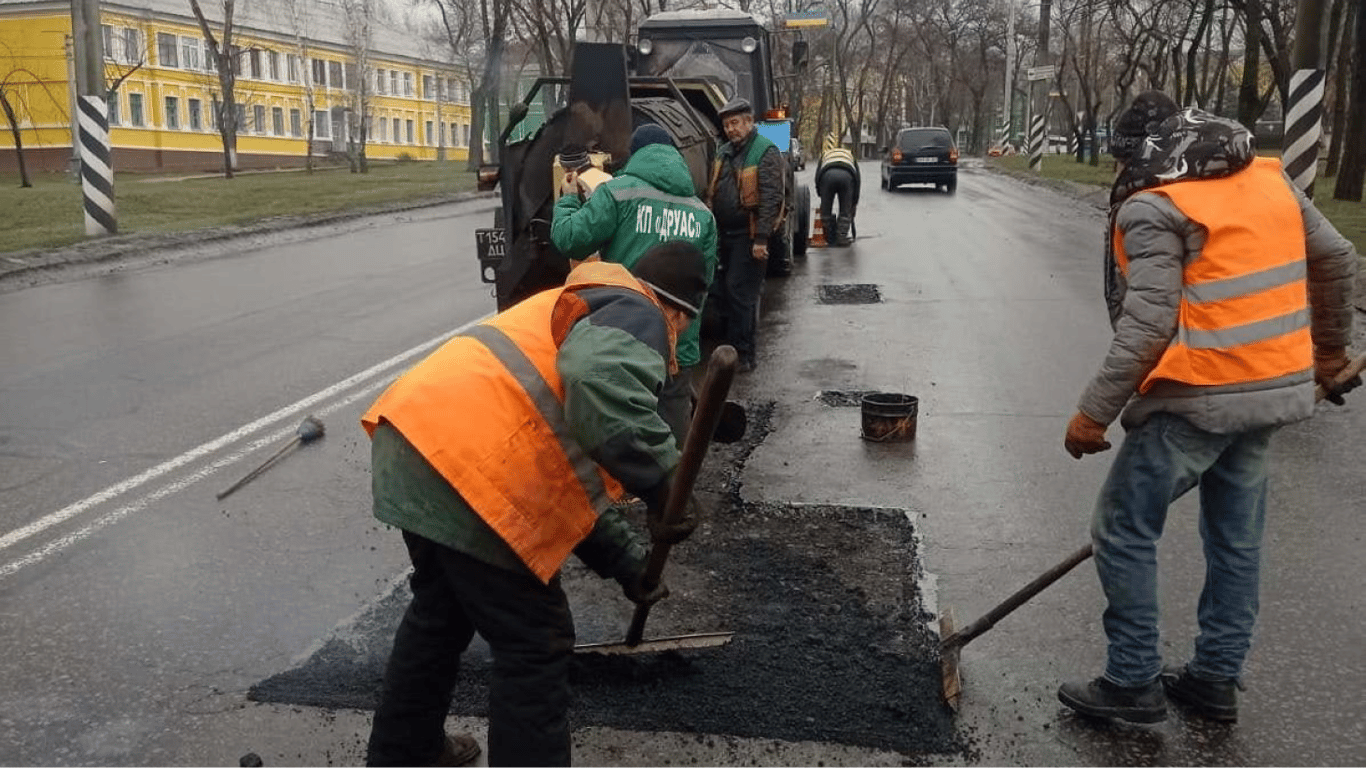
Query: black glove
point(676, 531)
point(635, 591)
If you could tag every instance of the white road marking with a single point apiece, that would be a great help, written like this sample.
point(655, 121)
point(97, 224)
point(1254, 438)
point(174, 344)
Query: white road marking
point(241, 433)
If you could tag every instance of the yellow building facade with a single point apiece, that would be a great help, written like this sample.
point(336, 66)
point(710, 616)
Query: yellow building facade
point(166, 93)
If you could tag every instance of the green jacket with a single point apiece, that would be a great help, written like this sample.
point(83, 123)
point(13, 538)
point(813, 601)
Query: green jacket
point(651, 200)
point(612, 363)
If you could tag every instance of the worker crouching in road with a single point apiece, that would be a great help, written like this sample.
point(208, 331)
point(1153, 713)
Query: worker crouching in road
point(500, 455)
point(837, 178)
point(1229, 295)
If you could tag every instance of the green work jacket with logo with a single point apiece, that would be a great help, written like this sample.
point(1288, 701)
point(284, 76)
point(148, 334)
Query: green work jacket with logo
point(652, 200)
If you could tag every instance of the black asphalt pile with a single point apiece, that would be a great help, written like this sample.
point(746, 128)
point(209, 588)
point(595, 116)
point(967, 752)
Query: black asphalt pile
point(831, 635)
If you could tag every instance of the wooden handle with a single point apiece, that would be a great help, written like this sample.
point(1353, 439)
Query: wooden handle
point(962, 636)
point(720, 373)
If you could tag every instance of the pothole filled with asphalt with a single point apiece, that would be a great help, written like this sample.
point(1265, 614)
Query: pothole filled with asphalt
point(848, 293)
point(843, 398)
point(832, 638)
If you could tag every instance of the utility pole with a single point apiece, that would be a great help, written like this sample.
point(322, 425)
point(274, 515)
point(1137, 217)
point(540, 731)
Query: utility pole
point(1304, 112)
point(1008, 102)
point(1042, 71)
point(92, 114)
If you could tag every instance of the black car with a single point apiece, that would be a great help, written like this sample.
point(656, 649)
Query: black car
point(921, 156)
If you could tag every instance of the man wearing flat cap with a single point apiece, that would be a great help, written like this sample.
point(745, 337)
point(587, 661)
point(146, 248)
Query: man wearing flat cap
point(652, 200)
point(1230, 296)
point(746, 195)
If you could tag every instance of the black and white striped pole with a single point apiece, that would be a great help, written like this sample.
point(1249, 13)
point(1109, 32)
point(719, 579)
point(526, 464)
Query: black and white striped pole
point(1036, 143)
point(97, 172)
point(92, 120)
point(1044, 71)
point(1304, 107)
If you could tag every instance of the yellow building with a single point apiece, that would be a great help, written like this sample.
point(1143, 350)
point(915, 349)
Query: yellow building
point(162, 113)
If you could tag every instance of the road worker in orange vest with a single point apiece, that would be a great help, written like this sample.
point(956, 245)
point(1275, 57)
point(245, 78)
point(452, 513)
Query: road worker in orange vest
point(1230, 296)
point(498, 456)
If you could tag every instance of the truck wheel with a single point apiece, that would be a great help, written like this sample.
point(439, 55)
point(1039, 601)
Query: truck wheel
point(802, 235)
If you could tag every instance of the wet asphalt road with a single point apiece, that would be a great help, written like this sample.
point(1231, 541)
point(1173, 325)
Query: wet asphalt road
point(135, 610)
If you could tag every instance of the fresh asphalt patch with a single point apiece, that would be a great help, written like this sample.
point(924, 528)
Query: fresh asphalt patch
point(832, 640)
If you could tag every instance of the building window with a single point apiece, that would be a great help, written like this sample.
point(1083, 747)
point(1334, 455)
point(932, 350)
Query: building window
point(296, 122)
point(196, 114)
point(398, 135)
point(383, 129)
point(113, 102)
point(427, 136)
point(379, 81)
point(320, 72)
point(428, 92)
point(172, 113)
point(407, 83)
point(322, 125)
point(393, 88)
point(335, 79)
point(292, 67)
point(408, 125)
point(133, 51)
point(166, 50)
point(135, 109)
point(465, 129)
point(107, 37)
point(273, 58)
point(277, 120)
point(258, 118)
point(189, 53)
point(455, 135)
point(215, 113)
point(241, 110)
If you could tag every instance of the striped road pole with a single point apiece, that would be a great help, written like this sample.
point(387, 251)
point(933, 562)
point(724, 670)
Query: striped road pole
point(1036, 144)
point(1005, 132)
point(1304, 128)
point(97, 172)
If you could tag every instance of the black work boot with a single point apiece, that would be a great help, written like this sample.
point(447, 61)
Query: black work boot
point(1215, 699)
point(842, 225)
point(1102, 698)
point(828, 228)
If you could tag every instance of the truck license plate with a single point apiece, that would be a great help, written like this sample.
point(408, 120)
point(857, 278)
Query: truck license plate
point(490, 245)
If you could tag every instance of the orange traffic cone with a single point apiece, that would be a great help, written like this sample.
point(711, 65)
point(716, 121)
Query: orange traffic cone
point(818, 234)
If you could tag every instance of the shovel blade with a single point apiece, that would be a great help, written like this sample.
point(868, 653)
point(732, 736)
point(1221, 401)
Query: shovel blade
point(678, 643)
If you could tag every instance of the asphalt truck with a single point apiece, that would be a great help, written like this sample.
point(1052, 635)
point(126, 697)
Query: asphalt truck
point(681, 69)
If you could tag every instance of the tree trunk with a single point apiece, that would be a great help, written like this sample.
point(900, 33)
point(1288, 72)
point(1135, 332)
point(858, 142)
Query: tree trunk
point(1341, 42)
point(1353, 172)
point(18, 139)
point(1249, 101)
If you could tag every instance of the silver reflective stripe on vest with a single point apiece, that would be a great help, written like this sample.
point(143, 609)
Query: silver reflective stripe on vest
point(1245, 334)
point(1246, 285)
point(1168, 388)
point(650, 193)
point(547, 404)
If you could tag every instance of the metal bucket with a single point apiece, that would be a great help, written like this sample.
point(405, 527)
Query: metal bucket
point(889, 416)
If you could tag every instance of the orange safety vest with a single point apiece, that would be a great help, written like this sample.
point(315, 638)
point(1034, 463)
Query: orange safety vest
point(486, 410)
point(1244, 312)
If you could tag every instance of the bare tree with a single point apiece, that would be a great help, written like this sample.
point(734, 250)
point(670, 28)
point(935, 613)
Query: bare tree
point(301, 26)
point(1353, 173)
point(359, 17)
point(221, 53)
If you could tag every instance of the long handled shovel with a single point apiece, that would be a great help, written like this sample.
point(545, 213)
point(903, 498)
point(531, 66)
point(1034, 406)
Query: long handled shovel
point(711, 402)
point(952, 642)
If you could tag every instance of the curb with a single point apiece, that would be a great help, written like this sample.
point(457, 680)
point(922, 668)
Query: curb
point(20, 263)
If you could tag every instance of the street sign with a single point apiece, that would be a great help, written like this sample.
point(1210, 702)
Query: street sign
point(1042, 73)
point(806, 19)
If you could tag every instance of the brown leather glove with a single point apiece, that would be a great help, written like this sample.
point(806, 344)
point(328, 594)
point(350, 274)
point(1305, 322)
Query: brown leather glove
point(1328, 363)
point(1085, 435)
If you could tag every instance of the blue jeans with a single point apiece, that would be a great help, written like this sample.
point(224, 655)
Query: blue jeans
point(1158, 462)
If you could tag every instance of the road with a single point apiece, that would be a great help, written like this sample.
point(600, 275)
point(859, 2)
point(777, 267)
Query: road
point(136, 610)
